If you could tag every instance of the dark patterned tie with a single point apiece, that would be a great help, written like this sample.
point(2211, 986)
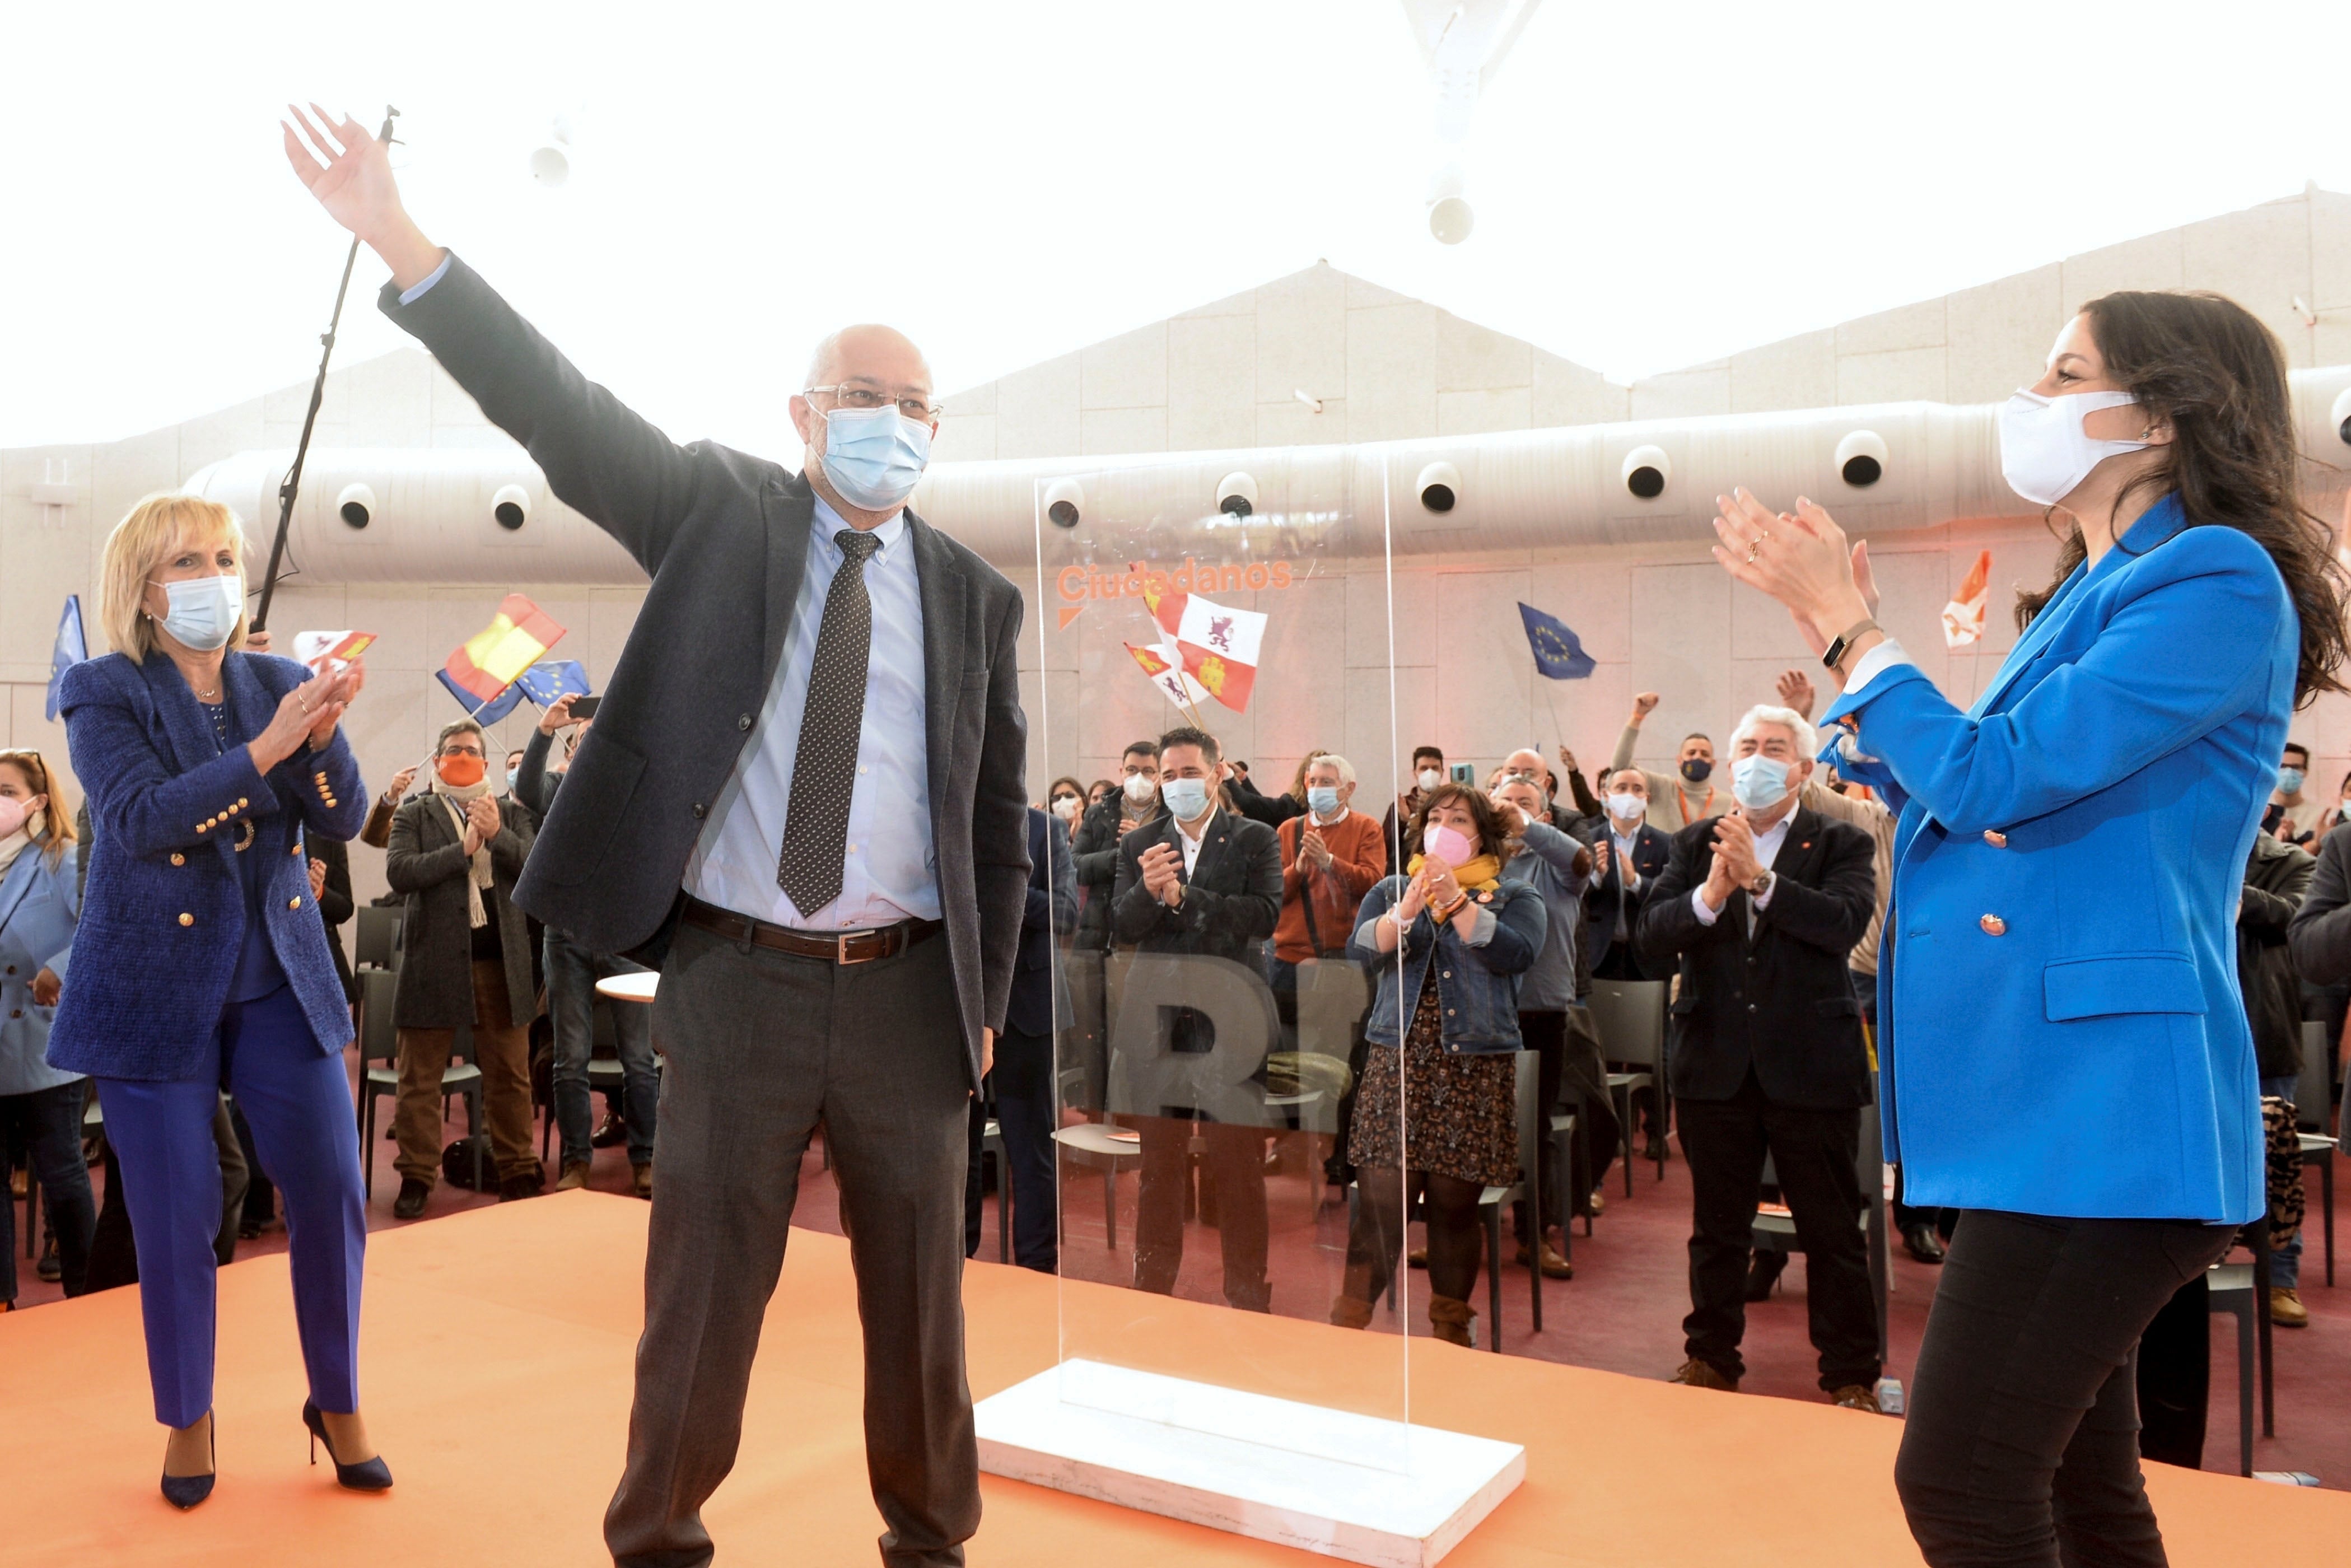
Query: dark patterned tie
point(824, 769)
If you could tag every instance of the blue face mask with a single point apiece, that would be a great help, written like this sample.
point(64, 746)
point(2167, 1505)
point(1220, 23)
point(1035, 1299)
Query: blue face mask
point(512, 774)
point(873, 456)
point(2290, 780)
point(1324, 797)
point(1187, 798)
point(1760, 782)
point(204, 610)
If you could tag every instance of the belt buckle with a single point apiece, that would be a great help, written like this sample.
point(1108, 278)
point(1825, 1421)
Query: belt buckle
point(842, 943)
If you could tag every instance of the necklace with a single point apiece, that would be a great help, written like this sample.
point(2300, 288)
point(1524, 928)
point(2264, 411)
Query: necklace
point(219, 714)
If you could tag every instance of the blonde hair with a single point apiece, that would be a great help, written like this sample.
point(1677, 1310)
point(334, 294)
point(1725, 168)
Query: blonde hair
point(56, 822)
point(138, 545)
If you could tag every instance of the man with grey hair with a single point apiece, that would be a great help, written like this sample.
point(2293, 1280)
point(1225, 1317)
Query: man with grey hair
point(802, 801)
point(1758, 910)
point(1330, 859)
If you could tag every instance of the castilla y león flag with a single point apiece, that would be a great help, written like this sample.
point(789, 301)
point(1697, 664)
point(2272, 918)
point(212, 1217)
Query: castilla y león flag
point(518, 637)
point(1160, 664)
point(1964, 618)
point(1218, 646)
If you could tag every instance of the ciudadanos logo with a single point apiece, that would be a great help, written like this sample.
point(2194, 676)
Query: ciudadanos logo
point(1081, 585)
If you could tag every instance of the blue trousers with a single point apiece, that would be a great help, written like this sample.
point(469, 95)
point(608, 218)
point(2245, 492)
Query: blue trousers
point(298, 1104)
point(573, 972)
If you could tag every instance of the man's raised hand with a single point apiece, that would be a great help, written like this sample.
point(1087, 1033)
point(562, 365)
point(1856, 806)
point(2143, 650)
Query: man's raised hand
point(350, 173)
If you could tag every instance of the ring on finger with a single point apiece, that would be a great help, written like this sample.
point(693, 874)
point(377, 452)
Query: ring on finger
point(1750, 553)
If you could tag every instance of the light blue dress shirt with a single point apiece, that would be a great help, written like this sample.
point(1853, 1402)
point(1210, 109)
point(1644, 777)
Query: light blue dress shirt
point(890, 871)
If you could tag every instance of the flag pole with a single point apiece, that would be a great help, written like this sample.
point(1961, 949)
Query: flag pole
point(293, 484)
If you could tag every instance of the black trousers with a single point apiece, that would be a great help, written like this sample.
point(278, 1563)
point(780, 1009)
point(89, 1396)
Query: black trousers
point(1813, 1152)
point(1544, 1030)
point(2174, 1367)
point(1021, 1087)
point(761, 1045)
point(2021, 1445)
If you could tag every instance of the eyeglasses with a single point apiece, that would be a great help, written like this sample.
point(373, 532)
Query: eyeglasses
point(913, 406)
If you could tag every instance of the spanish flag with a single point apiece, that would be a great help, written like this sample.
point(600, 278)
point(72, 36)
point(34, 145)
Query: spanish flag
point(1964, 618)
point(518, 637)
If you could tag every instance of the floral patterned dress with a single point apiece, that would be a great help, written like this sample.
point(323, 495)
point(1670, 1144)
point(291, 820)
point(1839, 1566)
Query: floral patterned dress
point(1456, 1114)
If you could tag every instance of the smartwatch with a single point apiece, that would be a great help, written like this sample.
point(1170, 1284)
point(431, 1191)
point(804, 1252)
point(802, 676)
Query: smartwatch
point(1834, 658)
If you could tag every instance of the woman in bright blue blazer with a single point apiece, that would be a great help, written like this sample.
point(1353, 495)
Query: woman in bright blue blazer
point(38, 903)
point(2064, 1055)
point(203, 964)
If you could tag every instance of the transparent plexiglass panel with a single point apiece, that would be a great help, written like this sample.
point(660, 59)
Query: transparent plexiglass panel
point(1204, 1056)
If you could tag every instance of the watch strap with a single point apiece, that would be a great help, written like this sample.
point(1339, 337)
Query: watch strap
point(1833, 659)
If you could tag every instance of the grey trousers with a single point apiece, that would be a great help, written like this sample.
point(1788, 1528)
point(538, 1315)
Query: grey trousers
point(762, 1045)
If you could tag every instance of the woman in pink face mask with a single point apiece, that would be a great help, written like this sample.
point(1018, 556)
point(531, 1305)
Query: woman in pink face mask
point(40, 904)
point(1435, 1113)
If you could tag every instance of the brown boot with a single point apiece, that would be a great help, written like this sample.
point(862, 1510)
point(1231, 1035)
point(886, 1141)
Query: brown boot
point(574, 1177)
point(1453, 1321)
point(1351, 1308)
point(641, 1179)
point(1698, 1374)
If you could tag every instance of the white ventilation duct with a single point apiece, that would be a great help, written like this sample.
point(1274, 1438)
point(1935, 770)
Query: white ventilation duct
point(434, 518)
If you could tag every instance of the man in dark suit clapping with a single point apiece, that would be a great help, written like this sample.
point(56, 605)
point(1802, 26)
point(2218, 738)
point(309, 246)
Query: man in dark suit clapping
point(1203, 884)
point(1759, 909)
point(802, 803)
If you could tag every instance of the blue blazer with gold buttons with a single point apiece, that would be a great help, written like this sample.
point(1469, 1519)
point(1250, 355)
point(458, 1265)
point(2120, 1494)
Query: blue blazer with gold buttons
point(163, 917)
point(2060, 1028)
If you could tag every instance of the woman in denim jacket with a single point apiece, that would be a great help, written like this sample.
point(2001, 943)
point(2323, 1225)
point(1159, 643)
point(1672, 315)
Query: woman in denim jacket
point(1439, 1116)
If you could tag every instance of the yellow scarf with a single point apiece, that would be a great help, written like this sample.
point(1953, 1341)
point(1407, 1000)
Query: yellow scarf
point(1482, 874)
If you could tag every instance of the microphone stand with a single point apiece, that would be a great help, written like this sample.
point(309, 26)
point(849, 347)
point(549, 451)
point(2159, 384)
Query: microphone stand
point(287, 491)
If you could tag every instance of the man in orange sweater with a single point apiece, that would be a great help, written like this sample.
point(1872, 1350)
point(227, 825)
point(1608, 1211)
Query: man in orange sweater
point(1330, 859)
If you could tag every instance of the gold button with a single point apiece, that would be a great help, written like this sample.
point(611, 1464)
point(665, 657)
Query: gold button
point(241, 802)
point(1996, 839)
point(293, 904)
point(296, 848)
point(179, 859)
point(1993, 925)
point(187, 920)
point(204, 827)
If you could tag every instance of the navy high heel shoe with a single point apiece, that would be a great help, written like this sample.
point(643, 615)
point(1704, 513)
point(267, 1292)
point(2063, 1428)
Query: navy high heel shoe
point(183, 1492)
point(372, 1475)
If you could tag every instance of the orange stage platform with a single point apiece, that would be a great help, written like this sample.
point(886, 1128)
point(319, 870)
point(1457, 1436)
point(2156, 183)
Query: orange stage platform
point(496, 1371)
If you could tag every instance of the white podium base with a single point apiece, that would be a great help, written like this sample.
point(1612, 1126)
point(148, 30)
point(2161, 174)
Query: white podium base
point(1197, 1452)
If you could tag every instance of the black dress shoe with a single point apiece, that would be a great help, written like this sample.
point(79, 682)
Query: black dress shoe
point(368, 1475)
point(1654, 1149)
point(612, 1134)
point(528, 1185)
point(1922, 1243)
point(1764, 1272)
point(411, 1201)
point(183, 1492)
point(50, 1268)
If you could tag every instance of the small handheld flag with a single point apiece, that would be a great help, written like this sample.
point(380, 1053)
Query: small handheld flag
point(1559, 652)
point(518, 637)
point(1964, 618)
point(312, 648)
point(71, 648)
point(490, 712)
point(550, 681)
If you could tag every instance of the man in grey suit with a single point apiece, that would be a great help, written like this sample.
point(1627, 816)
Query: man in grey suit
point(807, 768)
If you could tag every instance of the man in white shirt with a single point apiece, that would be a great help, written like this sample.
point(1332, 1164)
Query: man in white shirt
point(1758, 910)
point(1203, 884)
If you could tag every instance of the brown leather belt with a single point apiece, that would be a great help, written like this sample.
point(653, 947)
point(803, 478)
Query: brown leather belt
point(842, 947)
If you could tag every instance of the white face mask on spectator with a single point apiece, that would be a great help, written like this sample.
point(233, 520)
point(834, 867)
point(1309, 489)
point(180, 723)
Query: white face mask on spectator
point(1139, 788)
point(1626, 807)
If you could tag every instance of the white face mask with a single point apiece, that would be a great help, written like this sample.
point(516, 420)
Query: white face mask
point(204, 610)
point(1139, 788)
point(1430, 778)
point(1628, 807)
point(1065, 807)
point(2044, 453)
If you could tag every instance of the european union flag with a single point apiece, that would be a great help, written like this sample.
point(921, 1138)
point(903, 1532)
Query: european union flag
point(1558, 653)
point(550, 682)
point(497, 708)
point(72, 647)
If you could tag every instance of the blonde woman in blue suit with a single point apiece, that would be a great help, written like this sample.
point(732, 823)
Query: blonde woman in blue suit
point(2064, 1057)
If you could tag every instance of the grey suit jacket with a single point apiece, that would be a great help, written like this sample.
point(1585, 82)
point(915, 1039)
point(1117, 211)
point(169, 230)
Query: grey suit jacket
point(724, 536)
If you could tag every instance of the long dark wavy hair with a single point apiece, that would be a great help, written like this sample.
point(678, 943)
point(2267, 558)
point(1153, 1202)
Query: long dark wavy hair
point(2204, 364)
